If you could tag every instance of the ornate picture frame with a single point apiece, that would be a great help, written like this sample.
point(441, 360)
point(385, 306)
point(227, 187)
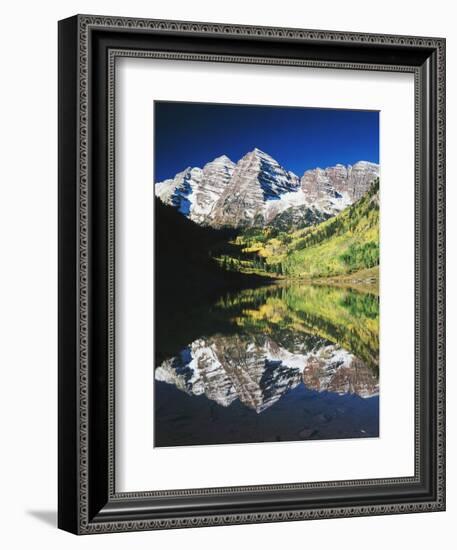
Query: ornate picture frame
point(88, 49)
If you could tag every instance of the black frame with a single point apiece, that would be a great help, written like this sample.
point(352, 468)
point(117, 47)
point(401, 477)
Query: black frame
point(88, 46)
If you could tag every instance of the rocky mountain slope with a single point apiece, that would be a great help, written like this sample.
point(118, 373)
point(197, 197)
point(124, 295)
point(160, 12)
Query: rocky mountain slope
point(351, 181)
point(257, 189)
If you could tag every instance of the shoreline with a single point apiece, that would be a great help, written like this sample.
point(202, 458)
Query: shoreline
point(365, 280)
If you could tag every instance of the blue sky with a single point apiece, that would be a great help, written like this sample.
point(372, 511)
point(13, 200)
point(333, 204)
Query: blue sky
point(192, 134)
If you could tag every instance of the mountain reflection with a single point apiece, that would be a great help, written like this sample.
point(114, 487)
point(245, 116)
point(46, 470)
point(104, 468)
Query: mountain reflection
point(325, 338)
point(258, 371)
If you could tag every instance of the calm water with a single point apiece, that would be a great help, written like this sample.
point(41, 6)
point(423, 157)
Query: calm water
point(279, 363)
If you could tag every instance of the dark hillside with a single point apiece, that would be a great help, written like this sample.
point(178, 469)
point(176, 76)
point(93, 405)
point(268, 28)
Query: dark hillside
point(186, 276)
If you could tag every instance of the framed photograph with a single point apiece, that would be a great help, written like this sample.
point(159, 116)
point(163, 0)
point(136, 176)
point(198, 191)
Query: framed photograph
point(251, 274)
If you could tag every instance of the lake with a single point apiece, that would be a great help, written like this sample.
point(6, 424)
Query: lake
point(283, 362)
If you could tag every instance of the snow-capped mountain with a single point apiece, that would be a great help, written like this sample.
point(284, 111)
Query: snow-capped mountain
point(257, 189)
point(257, 181)
point(258, 371)
point(352, 182)
point(195, 191)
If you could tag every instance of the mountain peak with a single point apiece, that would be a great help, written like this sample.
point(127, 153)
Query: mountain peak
point(259, 153)
point(223, 159)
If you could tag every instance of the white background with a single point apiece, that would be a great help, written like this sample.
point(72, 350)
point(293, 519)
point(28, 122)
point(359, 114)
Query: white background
point(140, 466)
point(28, 305)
